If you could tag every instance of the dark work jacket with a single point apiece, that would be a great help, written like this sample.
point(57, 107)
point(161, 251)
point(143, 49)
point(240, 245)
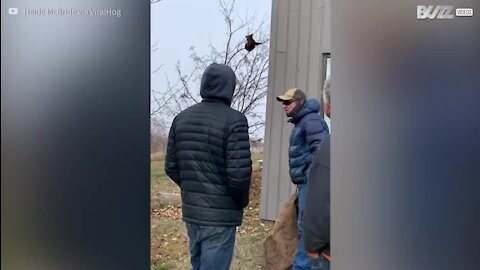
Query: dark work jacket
point(316, 223)
point(208, 154)
point(310, 129)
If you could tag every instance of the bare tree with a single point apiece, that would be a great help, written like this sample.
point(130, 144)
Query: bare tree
point(158, 135)
point(156, 104)
point(251, 69)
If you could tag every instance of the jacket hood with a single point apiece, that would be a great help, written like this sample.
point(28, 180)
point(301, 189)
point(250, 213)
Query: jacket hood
point(310, 106)
point(218, 82)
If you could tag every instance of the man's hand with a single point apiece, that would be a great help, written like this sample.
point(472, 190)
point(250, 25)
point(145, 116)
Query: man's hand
point(314, 255)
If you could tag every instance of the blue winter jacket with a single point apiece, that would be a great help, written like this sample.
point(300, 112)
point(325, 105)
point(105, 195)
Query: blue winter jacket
point(310, 129)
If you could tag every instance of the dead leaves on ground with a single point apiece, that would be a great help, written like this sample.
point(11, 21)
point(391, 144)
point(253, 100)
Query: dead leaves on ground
point(169, 241)
point(168, 211)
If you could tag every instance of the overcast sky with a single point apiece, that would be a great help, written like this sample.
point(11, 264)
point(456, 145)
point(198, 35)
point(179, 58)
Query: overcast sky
point(187, 23)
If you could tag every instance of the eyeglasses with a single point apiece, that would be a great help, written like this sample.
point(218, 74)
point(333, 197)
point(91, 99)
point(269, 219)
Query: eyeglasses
point(288, 102)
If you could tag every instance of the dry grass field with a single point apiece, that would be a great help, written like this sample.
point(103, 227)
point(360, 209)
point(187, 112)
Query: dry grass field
point(169, 241)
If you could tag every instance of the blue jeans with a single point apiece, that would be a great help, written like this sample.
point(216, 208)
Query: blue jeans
point(320, 264)
point(211, 247)
point(301, 261)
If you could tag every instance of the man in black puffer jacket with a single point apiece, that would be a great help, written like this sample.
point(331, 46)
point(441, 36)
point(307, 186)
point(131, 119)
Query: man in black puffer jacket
point(208, 156)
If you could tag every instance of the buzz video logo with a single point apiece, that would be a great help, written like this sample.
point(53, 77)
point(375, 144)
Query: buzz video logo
point(442, 12)
point(434, 12)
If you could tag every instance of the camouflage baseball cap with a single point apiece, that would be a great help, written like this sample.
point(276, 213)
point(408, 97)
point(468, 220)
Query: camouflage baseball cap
point(292, 94)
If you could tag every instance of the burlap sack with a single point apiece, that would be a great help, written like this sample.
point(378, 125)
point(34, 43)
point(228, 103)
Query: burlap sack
point(280, 247)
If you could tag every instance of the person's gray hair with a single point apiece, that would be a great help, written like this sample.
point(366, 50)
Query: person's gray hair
point(326, 90)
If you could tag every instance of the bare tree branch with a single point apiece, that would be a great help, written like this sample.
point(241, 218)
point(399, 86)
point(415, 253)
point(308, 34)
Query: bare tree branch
point(251, 69)
point(157, 69)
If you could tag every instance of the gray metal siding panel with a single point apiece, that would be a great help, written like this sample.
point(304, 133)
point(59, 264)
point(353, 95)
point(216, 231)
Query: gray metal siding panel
point(315, 64)
point(304, 44)
point(271, 172)
point(292, 45)
point(267, 157)
point(282, 24)
point(327, 29)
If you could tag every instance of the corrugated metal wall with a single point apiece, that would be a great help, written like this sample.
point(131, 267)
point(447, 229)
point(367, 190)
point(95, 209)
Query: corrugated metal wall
point(300, 35)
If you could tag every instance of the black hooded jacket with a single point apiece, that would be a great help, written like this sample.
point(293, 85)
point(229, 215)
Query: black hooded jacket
point(208, 154)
